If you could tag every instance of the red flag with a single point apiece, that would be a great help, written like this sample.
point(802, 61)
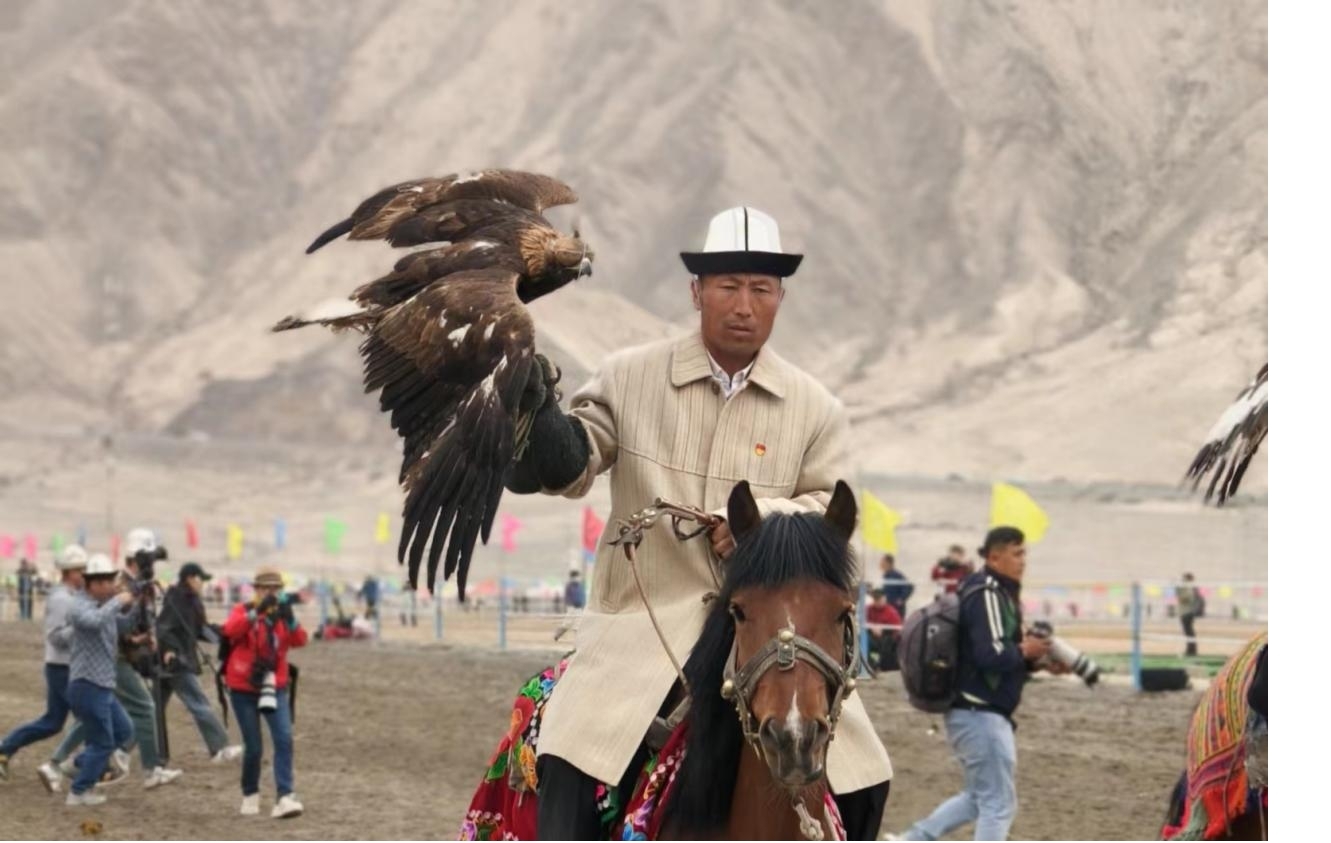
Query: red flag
point(191, 533)
point(115, 547)
point(30, 546)
point(508, 528)
point(7, 546)
point(591, 530)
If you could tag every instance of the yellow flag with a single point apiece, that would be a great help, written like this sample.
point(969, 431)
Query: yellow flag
point(879, 523)
point(235, 541)
point(381, 529)
point(1011, 507)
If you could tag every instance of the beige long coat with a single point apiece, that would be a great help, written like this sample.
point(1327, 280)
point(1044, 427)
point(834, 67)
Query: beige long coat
point(657, 422)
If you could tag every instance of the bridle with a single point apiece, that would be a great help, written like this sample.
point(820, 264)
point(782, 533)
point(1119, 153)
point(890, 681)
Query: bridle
point(782, 652)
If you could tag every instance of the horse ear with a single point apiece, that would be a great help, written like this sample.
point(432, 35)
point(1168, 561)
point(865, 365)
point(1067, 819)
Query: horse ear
point(742, 511)
point(842, 511)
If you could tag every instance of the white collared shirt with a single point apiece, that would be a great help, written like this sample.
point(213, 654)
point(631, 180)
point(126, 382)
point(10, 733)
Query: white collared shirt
point(731, 385)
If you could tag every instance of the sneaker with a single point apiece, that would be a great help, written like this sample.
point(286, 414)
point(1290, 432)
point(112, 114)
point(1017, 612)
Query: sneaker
point(120, 761)
point(68, 768)
point(249, 805)
point(228, 753)
point(88, 798)
point(4, 768)
point(287, 807)
point(50, 777)
point(112, 775)
point(160, 776)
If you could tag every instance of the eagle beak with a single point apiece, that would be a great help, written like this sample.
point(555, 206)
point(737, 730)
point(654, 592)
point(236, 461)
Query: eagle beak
point(585, 268)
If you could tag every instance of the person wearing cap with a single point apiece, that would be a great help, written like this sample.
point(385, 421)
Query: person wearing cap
point(685, 419)
point(59, 636)
point(260, 632)
point(182, 621)
point(98, 616)
point(996, 659)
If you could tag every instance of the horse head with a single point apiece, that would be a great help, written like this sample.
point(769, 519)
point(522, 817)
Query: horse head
point(777, 655)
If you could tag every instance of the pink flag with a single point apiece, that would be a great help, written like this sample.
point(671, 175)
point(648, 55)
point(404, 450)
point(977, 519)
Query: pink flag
point(7, 546)
point(508, 529)
point(30, 546)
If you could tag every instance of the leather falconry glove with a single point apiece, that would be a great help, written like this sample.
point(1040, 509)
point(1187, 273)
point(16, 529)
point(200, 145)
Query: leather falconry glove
point(557, 447)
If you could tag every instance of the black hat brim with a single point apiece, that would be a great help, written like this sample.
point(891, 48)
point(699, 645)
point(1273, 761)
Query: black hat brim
point(724, 263)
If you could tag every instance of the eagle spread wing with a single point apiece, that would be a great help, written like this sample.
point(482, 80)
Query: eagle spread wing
point(1232, 442)
point(450, 345)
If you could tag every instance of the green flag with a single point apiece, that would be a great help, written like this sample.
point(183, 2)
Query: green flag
point(334, 530)
point(57, 543)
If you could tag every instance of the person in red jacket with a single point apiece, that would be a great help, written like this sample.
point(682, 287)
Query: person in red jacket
point(951, 570)
point(260, 633)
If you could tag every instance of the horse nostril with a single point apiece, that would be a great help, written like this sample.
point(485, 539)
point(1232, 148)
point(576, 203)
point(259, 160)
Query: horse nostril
point(816, 734)
point(769, 734)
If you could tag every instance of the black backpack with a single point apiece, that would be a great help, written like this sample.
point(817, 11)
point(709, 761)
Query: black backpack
point(929, 651)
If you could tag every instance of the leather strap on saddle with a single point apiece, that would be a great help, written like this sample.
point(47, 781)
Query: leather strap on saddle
point(663, 727)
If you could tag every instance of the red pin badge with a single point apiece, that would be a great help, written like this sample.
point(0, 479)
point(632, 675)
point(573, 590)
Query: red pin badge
point(759, 449)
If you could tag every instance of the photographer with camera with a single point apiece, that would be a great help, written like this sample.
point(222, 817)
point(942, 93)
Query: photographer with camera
point(98, 615)
point(137, 662)
point(996, 659)
point(260, 633)
point(182, 622)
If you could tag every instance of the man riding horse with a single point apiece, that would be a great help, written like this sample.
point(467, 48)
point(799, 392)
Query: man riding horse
point(685, 420)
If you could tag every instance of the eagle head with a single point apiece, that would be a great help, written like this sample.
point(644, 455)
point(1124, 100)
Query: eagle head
point(569, 253)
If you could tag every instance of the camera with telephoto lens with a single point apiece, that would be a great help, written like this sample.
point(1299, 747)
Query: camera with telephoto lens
point(268, 692)
point(1064, 653)
point(145, 559)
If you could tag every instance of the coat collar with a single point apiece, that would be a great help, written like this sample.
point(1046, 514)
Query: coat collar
point(688, 363)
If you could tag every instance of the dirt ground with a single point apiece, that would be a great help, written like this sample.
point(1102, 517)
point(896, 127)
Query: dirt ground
point(391, 740)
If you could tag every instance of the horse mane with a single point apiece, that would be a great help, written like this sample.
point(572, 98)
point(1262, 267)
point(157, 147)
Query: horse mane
point(783, 548)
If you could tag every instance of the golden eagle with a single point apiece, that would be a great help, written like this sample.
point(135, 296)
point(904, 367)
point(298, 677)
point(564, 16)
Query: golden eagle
point(1232, 442)
point(450, 345)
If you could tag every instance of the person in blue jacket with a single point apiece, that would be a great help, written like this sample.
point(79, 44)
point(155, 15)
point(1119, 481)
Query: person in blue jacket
point(996, 659)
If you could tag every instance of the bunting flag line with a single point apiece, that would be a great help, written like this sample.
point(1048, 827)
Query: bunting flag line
point(7, 546)
point(381, 529)
point(57, 543)
point(280, 533)
point(30, 546)
point(879, 523)
point(1011, 507)
point(191, 534)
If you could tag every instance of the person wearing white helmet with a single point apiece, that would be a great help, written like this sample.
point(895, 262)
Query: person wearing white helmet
point(59, 635)
point(98, 615)
point(136, 644)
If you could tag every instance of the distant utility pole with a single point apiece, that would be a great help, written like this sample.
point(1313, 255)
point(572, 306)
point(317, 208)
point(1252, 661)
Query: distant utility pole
point(111, 329)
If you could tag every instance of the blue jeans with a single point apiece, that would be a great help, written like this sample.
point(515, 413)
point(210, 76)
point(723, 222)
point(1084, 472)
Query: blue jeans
point(187, 686)
point(984, 744)
point(138, 703)
point(50, 723)
point(246, 707)
point(106, 726)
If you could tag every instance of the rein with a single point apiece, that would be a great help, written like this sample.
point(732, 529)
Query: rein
point(631, 533)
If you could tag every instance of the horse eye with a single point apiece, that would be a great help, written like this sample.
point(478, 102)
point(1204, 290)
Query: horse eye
point(736, 612)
